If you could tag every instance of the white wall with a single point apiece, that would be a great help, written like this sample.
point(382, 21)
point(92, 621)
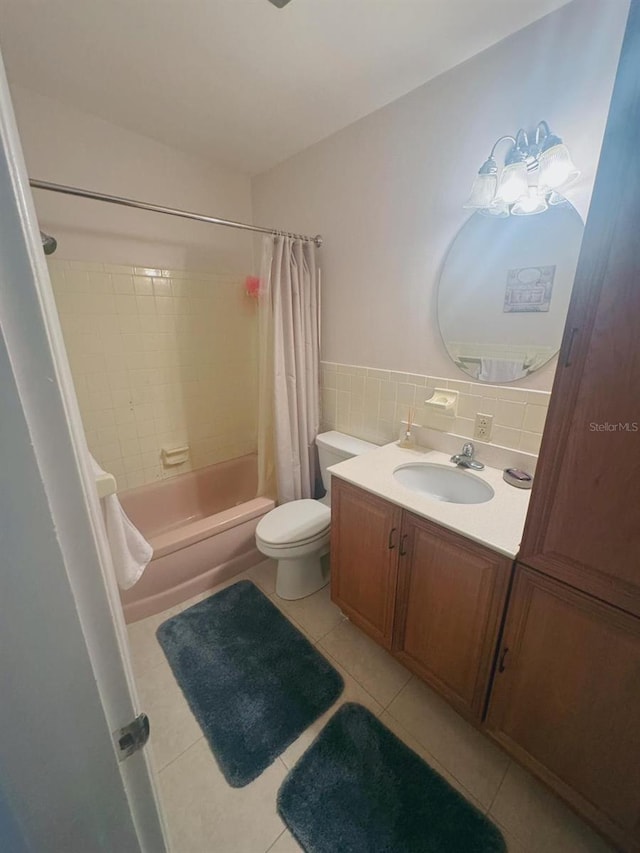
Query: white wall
point(66, 146)
point(387, 191)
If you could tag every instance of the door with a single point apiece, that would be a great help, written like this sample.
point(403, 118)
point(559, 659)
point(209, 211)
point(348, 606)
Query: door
point(566, 696)
point(451, 593)
point(63, 655)
point(365, 539)
point(583, 524)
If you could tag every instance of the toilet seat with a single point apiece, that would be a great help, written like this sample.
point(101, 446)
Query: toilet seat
point(296, 523)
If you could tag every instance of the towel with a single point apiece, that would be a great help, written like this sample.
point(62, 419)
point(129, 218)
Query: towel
point(130, 551)
point(501, 370)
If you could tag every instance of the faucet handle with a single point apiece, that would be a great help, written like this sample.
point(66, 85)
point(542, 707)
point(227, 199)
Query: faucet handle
point(468, 449)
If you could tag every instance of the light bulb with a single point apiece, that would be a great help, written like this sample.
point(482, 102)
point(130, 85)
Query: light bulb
point(556, 167)
point(530, 203)
point(513, 182)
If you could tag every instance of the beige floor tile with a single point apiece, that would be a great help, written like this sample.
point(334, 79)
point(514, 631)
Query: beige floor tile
point(462, 750)
point(393, 725)
point(353, 692)
point(173, 726)
point(316, 613)
point(279, 603)
point(146, 652)
point(380, 674)
point(264, 575)
point(513, 844)
point(285, 844)
point(538, 819)
point(205, 815)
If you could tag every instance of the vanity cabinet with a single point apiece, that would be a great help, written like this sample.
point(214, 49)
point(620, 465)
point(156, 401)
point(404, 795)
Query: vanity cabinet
point(431, 597)
point(451, 594)
point(365, 537)
point(566, 698)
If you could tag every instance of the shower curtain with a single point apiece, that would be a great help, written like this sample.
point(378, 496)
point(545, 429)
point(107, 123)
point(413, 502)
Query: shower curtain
point(289, 354)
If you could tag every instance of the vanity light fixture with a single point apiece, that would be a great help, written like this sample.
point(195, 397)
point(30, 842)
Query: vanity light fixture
point(533, 171)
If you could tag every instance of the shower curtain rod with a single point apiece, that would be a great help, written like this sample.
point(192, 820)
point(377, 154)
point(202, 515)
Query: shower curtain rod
point(171, 211)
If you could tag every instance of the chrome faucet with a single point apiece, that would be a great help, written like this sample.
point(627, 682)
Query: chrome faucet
point(465, 459)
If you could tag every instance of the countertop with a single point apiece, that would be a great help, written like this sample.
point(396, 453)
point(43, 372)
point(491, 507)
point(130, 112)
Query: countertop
point(497, 523)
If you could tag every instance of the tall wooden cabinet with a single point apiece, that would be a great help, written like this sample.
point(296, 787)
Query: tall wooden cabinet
point(566, 698)
point(583, 525)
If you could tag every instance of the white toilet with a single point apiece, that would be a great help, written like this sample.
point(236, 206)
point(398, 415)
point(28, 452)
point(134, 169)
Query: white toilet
point(297, 534)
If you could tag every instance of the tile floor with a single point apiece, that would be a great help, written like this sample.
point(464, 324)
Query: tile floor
point(205, 815)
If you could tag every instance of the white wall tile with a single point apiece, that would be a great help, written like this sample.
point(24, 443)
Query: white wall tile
point(151, 352)
point(380, 400)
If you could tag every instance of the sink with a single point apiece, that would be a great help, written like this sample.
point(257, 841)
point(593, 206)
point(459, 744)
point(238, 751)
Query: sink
point(441, 483)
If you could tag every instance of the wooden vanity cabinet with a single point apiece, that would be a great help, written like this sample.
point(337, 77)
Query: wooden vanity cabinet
point(433, 598)
point(450, 599)
point(365, 535)
point(566, 697)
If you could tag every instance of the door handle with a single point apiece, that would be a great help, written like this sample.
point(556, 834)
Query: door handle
point(501, 666)
point(392, 533)
point(402, 541)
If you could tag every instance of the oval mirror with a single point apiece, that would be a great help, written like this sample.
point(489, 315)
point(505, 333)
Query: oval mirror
point(504, 291)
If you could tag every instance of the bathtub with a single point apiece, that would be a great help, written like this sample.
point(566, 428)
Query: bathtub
point(201, 526)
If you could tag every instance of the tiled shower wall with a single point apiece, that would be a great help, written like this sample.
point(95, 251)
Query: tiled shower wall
point(371, 404)
point(160, 359)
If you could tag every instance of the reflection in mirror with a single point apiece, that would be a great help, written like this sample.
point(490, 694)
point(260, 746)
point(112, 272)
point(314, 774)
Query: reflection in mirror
point(504, 291)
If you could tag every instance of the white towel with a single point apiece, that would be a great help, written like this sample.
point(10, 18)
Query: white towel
point(130, 551)
point(501, 370)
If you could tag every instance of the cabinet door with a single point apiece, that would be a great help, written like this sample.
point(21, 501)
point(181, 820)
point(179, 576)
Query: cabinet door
point(365, 533)
point(583, 525)
point(451, 594)
point(566, 700)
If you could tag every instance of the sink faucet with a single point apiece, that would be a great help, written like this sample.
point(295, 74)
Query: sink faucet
point(465, 459)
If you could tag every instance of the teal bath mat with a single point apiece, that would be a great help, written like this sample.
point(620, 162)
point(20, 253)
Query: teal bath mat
point(252, 680)
point(358, 789)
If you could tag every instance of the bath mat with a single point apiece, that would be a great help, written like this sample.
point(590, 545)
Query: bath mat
point(252, 680)
point(360, 789)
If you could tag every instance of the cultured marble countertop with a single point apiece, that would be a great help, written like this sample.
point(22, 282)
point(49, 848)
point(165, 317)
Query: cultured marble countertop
point(497, 523)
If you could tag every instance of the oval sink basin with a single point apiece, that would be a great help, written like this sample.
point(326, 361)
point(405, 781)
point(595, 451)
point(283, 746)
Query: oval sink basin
point(443, 484)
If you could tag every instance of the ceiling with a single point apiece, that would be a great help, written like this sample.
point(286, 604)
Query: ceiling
point(241, 82)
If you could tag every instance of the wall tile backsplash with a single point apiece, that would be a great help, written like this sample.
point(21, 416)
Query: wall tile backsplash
point(371, 404)
point(160, 358)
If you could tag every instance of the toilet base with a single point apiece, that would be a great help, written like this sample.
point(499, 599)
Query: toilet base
point(302, 576)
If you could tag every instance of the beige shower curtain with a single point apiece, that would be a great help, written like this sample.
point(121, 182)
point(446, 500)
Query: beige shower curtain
point(289, 346)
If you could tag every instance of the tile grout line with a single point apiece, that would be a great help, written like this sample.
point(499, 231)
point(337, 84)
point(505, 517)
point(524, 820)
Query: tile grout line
point(271, 846)
point(175, 758)
point(498, 789)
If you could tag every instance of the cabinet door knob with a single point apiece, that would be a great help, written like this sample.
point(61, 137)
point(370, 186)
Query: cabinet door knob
point(392, 544)
point(501, 666)
point(402, 541)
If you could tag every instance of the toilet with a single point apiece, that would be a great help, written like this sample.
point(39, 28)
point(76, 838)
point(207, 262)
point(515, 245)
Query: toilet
point(297, 534)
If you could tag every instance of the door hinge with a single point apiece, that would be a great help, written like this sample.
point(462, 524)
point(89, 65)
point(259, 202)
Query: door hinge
point(132, 737)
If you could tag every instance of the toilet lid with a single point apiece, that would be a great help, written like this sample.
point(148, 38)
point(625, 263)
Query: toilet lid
point(296, 521)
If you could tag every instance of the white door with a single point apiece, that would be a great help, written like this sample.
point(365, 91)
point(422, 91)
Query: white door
point(65, 674)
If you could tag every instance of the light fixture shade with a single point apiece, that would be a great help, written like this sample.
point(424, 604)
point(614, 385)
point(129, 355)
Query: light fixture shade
point(556, 167)
point(483, 190)
point(530, 203)
point(513, 182)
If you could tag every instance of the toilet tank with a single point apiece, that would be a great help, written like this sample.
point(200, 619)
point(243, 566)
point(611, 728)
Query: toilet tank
point(334, 447)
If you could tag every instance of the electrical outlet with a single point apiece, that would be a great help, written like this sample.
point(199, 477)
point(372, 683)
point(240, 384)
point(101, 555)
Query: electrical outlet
point(483, 426)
